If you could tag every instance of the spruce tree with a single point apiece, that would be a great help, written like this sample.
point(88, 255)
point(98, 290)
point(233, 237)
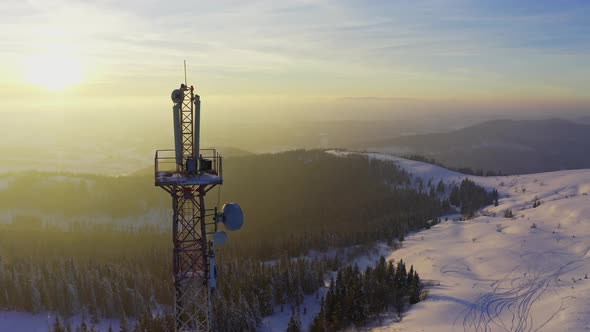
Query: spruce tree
point(415, 289)
point(57, 325)
point(440, 188)
point(266, 300)
point(294, 322)
point(319, 322)
point(123, 326)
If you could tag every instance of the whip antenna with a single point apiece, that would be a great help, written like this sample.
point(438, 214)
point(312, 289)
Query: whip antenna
point(185, 81)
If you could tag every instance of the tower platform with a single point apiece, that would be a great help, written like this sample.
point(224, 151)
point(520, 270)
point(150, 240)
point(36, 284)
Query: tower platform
point(181, 179)
point(168, 173)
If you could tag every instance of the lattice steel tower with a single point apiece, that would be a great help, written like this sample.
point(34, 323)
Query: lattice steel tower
point(188, 173)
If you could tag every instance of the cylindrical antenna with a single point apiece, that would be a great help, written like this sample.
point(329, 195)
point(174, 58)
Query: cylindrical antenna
point(185, 81)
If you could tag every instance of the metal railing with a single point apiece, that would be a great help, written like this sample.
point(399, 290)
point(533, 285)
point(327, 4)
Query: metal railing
point(165, 162)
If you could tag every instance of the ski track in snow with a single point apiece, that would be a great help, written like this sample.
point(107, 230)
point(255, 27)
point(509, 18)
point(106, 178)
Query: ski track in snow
point(518, 297)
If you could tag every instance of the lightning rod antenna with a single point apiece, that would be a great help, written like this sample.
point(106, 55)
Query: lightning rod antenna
point(185, 81)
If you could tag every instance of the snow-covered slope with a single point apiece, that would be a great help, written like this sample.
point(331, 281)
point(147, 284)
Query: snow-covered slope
point(490, 273)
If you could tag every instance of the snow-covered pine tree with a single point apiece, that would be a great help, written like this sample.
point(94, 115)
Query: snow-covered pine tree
point(294, 322)
point(57, 325)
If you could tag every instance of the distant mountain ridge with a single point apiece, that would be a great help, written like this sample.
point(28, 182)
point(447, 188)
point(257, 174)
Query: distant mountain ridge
point(513, 147)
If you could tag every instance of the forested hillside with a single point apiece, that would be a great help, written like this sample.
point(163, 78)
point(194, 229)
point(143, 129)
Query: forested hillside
point(99, 272)
point(324, 201)
point(122, 268)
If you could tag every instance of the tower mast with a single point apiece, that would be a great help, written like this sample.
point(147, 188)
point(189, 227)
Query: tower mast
point(188, 173)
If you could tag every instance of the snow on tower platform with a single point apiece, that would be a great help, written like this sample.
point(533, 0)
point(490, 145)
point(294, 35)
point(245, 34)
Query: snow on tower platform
point(168, 173)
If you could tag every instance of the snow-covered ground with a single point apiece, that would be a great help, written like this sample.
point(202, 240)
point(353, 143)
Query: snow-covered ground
point(490, 273)
point(26, 322)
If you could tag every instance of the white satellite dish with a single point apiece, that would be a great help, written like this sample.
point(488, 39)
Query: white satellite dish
point(233, 217)
point(177, 96)
point(219, 238)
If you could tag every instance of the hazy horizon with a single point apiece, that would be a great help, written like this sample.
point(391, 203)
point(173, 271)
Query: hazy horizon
point(261, 58)
point(81, 80)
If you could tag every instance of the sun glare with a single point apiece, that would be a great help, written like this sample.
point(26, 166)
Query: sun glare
point(53, 71)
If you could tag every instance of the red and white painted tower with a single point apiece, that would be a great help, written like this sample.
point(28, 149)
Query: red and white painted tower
point(188, 173)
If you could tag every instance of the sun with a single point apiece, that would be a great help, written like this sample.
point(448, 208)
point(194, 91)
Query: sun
point(52, 70)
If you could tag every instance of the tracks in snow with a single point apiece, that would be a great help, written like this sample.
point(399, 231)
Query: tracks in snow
point(508, 306)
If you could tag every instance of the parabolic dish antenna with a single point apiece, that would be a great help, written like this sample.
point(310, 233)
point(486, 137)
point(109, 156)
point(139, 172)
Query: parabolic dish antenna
point(233, 217)
point(219, 238)
point(177, 96)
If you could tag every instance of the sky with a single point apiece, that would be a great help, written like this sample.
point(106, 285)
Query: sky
point(264, 59)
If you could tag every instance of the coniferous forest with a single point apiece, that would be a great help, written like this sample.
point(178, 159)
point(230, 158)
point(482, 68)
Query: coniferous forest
point(123, 270)
point(355, 297)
